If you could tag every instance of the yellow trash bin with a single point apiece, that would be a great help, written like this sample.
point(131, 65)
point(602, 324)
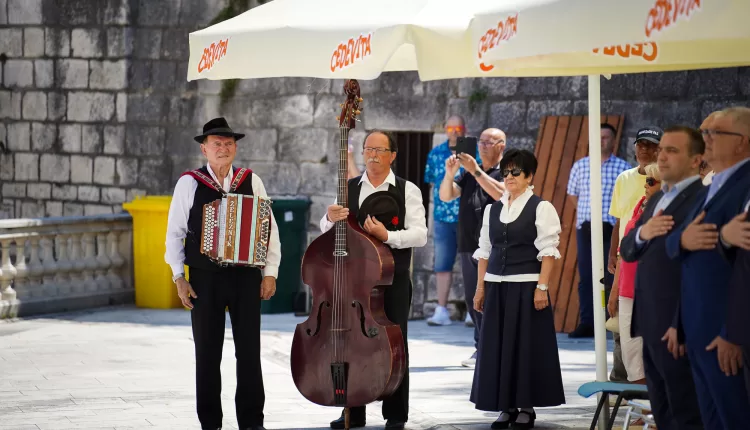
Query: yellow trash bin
point(153, 277)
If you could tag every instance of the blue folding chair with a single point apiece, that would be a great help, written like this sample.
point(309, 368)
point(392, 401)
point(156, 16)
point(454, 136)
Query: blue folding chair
point(623, 391)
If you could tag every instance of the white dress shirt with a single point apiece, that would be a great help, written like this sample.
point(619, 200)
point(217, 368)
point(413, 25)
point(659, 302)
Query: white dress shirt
point(179, 212)
point(547, 233)
point(415, 225)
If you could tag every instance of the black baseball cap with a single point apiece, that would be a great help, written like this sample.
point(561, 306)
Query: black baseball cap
point(651, 133)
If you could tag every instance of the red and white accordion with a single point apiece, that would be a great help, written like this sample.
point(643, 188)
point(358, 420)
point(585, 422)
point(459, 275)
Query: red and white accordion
point(236, 230)
point(237, 227)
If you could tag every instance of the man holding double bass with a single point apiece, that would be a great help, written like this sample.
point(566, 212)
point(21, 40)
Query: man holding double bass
point(390, 209)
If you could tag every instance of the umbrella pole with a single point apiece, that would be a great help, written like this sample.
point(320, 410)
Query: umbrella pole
point(597, 263)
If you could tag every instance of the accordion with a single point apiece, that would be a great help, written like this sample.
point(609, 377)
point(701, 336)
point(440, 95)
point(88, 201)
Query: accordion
point(236, 230)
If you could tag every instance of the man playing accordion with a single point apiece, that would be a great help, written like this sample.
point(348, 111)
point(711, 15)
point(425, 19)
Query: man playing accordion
point(215, 284)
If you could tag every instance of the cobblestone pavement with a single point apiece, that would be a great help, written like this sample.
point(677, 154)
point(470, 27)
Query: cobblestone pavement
point(131, 368)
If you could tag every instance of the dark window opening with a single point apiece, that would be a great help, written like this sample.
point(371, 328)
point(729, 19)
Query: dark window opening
point(411, 160)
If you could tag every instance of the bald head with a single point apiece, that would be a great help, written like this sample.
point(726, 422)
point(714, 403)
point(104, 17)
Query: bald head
point(740, 117)
point(491, 146)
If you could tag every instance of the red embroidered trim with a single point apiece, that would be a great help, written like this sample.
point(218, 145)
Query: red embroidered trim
point(239, 176)
point(207, 180)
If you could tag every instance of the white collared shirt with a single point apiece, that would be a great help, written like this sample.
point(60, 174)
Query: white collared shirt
point(547, 233)
point(179, 212)
point(415, 225)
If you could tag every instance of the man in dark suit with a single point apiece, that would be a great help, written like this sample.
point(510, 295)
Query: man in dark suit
point(735, 236)
point(657, 282)
point(715, 361)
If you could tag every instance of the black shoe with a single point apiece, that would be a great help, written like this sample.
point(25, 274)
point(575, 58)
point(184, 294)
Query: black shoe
point(505, 424)
point(582, 331)
point(255, 428)
point(394, 425)
point(354, 422)
point(528, 425)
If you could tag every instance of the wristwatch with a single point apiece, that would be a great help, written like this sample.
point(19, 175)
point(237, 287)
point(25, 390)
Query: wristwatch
point(542, 287)
point(177, 276)
point(478, 173)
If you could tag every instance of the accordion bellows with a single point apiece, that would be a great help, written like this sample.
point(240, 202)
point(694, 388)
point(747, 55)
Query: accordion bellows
point(236, 230)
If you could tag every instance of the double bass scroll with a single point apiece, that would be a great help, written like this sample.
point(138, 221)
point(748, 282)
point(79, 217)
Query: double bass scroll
point(347, 353)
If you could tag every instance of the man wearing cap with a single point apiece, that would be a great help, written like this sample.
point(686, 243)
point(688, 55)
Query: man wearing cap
point(390, 209)
point(213, 288)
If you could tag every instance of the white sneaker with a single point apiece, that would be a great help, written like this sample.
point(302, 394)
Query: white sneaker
point(470, 362)
point(468, 321)
point(441, 317)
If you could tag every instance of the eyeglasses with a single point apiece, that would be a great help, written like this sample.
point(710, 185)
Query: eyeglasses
point(714, 133)
point(515, 172)
point(487, 144)
point(378, 150)
point(453, 128)
point(651, 182)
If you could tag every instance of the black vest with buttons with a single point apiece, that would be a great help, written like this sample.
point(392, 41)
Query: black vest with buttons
point(402, 256)
point(513, 250)
point(205, 194)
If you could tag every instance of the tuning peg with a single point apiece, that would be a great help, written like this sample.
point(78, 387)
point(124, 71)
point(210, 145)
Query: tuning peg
point(341, 105)
point(357, 112)
point(338, 118)
point(360, 99)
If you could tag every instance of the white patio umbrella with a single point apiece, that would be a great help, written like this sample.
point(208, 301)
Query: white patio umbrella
point(444, 39)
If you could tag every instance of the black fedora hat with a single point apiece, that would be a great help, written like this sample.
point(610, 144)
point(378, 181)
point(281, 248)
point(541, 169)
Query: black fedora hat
point(383, 206)
point(219, 127)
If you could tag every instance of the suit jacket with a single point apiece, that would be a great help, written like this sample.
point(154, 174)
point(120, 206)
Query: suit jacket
point(658, 278)
point(704, 296)
point(738, 314)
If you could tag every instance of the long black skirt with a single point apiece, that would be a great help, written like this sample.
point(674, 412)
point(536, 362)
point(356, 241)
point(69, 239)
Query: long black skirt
point(517, 365)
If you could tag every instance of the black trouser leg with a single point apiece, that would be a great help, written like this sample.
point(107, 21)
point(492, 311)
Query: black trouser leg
point(244, 311)
point(208, 320)
point(397, 302)
point(469, 267)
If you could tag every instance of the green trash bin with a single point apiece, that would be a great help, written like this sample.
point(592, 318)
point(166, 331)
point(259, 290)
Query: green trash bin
point(291, 221)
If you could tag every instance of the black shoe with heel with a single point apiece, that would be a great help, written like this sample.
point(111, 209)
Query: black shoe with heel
point(354, 422)
point(505, 424)
point(528, 425)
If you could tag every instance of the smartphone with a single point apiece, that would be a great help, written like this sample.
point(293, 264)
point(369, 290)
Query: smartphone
point(467, 145)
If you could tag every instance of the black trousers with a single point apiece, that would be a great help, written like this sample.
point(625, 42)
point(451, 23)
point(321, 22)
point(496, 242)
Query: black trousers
point(237, 289)
point(396, 302)
point(671, 390)
point(469, 267)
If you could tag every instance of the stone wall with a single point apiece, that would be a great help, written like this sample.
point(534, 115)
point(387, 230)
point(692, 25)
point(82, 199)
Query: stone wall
point(95, 109)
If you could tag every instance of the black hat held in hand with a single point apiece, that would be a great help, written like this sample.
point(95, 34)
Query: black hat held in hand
point(219, 127)
point(383, 206)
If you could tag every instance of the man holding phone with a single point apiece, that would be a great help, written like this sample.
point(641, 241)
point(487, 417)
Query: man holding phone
point(478, 186)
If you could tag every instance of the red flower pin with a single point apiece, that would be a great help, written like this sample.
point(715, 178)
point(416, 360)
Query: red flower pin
point(394, 220)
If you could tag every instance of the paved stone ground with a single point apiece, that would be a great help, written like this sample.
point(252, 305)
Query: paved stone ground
point(130, 368)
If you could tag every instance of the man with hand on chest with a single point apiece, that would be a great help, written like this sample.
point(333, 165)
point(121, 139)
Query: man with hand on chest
point(390, 209)
point(213, 287)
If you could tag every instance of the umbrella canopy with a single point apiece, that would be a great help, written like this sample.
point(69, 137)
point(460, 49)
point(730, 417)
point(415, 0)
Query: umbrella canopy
point(630, 36)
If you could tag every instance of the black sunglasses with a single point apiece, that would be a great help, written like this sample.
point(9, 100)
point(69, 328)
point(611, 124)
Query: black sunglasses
point(651, 182)
point(516, 172)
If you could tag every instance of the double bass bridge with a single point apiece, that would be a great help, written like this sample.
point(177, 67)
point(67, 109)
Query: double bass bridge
point(339, 374)
point(340, 253)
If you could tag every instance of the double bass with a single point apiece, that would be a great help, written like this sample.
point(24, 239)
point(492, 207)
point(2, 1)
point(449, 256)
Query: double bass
point(347, 353)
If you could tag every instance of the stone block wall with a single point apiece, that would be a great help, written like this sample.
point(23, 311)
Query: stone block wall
point(95, 109)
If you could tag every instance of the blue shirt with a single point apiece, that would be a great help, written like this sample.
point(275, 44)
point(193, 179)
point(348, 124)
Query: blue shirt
point(666, 199)
point(720, 178)
point(579, 184)
point(433, 174)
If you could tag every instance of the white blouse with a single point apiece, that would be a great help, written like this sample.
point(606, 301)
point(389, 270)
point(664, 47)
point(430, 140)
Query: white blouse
point(547, 233)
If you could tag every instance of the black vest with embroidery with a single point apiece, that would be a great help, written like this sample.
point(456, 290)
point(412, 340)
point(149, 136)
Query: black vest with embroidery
point(205, 194)
point(402, 256)
point(513, 250)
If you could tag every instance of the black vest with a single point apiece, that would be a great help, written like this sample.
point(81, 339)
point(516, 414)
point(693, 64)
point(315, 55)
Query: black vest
point(513, 250)
point(401, 257)
point(205, 194)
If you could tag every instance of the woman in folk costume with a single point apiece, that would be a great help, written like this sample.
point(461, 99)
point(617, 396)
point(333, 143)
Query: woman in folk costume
point(518, 367)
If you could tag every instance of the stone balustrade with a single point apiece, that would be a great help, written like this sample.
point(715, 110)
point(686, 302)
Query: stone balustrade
point(65, 263)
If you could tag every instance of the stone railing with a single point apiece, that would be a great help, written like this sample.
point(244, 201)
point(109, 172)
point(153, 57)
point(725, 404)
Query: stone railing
point(66, 263)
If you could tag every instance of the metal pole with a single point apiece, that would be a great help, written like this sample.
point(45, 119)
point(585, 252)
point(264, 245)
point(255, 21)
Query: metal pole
point(597, 262)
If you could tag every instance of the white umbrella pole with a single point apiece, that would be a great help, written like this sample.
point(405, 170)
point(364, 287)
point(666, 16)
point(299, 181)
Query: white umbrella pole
point(597, 263)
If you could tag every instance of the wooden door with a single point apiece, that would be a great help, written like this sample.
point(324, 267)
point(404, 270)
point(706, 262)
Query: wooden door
point(563, 140)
